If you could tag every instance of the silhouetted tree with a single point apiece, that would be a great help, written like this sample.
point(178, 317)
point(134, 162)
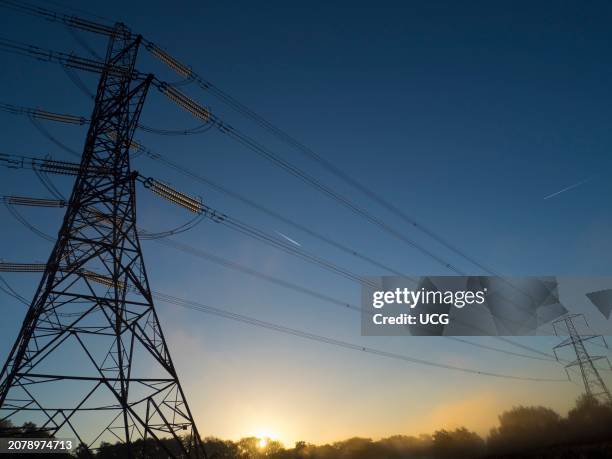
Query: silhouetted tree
point(220, 449)
point(402, 446)
point(5, 427)
point(523, 432)
point(248, 448)
point(589, 420)
point(458, 444)
point(524, 428)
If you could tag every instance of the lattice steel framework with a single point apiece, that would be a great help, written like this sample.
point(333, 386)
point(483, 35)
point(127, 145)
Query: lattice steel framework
point(594, 385)
point(91, 361)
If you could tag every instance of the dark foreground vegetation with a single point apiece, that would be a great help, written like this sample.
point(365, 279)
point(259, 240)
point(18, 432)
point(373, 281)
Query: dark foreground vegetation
point(523, 432)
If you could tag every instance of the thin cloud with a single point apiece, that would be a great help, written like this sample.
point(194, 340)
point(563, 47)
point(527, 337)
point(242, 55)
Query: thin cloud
point(571, 187)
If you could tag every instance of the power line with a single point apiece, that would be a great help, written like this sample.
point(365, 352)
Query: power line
point(6, 288)
point(32, 113)
point(218, 217)
point(258, 148)
point(194, 251)
point(200, 307)
point(334, 342)
point(326, 190)
point(203, 113)
point(227, 129)
point(200, 253)
point(265, 210)
point(250, 231)
point(52, 138)
point(257, 234)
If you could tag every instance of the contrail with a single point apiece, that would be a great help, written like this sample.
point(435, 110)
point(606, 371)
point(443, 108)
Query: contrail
point(570, 187)
point(288, 238)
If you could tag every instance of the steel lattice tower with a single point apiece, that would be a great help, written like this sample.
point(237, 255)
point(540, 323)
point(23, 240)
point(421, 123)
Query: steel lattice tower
point(594, 385)
point(91, 361)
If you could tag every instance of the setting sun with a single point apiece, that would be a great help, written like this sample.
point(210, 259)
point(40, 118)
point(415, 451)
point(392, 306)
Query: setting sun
point(264, 437)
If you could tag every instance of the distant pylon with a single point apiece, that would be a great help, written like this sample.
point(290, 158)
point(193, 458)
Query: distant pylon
point(91, 362)
point(594, 385)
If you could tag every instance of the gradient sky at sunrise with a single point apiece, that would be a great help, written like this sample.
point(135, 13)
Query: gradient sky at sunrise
point(465, 114)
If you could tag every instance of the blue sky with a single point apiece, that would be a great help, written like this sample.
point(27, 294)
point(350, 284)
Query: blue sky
point(464, 115)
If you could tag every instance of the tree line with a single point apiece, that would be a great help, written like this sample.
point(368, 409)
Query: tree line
point(522, 432)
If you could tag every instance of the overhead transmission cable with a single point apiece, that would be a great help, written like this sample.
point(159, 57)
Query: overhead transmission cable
point(91, 30)
point(6, 288)
point(58, 57)
point(202, 254)
point(78, 82)
point(204, 114)
point(198, 207)
point(185, 70)
point(195, 109)
point(241, 228)
point(191, 250)
point(191, 174)
point(331, 341)
point(197, 306)
point(267, 211)
point(216, 186)
point(235, 195)
point(70, 20)
point(45, 132)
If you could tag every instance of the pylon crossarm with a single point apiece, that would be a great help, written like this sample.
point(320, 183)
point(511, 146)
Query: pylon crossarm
point(93, 378)
point(565, 342)
point(566, 317)
point(593, 337)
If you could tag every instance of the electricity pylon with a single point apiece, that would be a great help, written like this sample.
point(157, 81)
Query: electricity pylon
point(91, 362)
point(594, 385)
